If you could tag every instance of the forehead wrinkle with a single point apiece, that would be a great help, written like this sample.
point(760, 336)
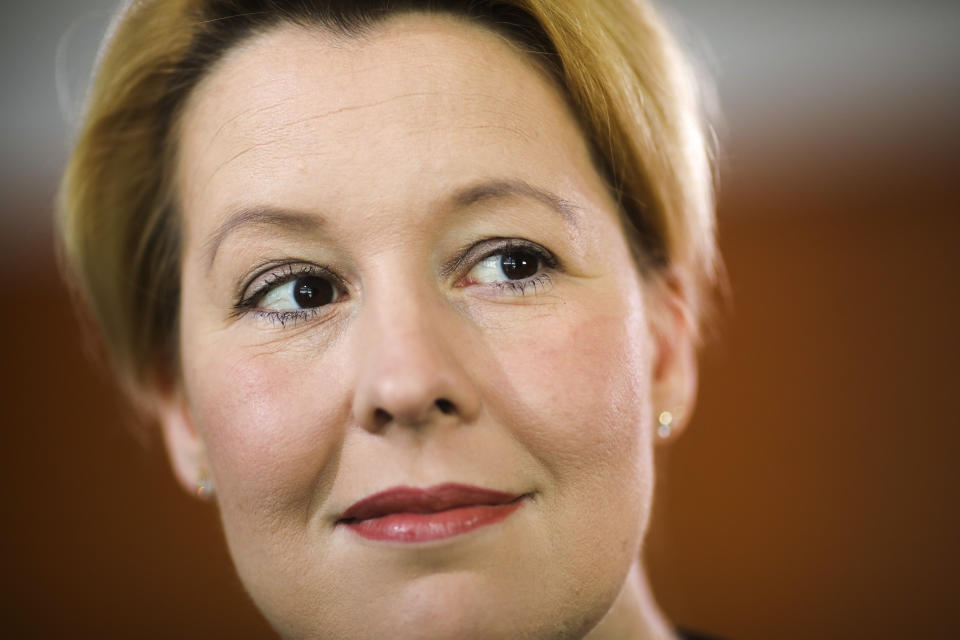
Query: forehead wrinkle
point(239, 154)
point(252, 111)
point(355, 107)
point(315, 117)
point(377, 103)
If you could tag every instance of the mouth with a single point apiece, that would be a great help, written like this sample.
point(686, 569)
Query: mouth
point(407, 514)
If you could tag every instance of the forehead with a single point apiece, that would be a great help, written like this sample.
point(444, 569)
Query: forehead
point(305, 119)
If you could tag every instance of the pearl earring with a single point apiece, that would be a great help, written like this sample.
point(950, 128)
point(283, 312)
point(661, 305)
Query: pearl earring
point(666, 420)
point(205, 488)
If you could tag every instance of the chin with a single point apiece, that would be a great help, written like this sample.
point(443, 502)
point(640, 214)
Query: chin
point(448, 606)
point(463, 592)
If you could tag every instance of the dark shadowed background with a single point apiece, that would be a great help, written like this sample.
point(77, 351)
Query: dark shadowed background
point(816, 493)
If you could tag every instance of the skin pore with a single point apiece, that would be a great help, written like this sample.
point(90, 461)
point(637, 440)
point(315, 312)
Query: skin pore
point(480, 322)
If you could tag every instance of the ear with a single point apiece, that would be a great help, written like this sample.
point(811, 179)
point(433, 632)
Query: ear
point(673, 331)
point(188, 454)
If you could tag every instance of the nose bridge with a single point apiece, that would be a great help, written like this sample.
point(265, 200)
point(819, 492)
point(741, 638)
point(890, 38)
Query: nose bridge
point(406, 330)
point(411, 372)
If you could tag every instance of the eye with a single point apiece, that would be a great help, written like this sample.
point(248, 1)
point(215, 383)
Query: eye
point(506, 265)
point(290, 292)
point(305, 292)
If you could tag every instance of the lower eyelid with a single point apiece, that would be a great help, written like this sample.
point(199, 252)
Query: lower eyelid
point(534, 285)
point(285, 318)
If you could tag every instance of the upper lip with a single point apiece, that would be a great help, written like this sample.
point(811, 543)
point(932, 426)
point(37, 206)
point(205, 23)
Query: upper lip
point(432, 499)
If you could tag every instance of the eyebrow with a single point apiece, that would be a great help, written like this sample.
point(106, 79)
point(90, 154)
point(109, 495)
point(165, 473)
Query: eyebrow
point(283, 219)
point(494, 189)
point(293, 221)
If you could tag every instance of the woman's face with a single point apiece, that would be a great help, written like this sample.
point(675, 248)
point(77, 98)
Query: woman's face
point(402, 271)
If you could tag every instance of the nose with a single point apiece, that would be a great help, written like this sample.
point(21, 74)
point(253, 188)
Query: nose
point(412, 370)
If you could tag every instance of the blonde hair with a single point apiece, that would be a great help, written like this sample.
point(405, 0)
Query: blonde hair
point(626, 80)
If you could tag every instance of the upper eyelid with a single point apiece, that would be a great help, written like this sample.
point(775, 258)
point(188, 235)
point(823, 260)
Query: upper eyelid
point(283, 276)
point(245, 281)
point(541, 252)
point(491, 247)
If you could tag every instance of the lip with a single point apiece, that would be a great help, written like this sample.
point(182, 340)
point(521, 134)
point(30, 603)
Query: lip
point(409, 514)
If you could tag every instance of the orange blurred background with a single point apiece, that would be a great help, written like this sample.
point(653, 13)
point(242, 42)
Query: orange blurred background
point(816, 491)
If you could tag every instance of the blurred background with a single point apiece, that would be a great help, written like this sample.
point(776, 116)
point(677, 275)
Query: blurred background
point(816, 493)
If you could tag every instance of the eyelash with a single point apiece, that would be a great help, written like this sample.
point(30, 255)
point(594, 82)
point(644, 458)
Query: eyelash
point(538, 282)
point(519, 287)
point(277, 275)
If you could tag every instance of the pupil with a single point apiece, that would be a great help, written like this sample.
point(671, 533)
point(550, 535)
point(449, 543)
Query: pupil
point(312, 291)
point(518, 265)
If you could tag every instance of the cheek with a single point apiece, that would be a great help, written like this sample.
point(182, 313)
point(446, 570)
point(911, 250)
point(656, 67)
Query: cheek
point(579, 402)
point(268, 422)
point(584, 389)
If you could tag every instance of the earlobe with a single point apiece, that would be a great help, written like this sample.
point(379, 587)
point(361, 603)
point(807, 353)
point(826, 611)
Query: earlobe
point(672, 328)
point(185, 447)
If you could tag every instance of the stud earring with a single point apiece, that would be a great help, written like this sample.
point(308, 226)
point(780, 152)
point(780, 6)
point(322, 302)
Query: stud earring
point(204, 485)
point(666, 420)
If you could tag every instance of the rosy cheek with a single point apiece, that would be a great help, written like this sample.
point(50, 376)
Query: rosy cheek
point(268, 425)
point(582, 388)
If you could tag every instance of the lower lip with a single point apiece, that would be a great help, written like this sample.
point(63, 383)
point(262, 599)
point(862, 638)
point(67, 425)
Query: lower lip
point(424, 527)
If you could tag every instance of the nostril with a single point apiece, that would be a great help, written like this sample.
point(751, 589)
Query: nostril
point(381, 418)
point(446, 407)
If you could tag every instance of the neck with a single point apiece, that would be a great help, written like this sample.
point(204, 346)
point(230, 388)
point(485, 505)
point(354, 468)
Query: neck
point(634, 614)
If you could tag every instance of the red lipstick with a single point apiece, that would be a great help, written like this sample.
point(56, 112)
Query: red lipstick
point(407, 514)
